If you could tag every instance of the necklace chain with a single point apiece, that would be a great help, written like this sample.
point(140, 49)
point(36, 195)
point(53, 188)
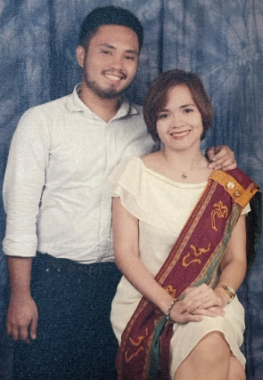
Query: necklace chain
point(184, 174)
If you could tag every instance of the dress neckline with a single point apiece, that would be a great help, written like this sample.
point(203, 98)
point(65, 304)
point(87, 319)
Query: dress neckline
point(172, 182)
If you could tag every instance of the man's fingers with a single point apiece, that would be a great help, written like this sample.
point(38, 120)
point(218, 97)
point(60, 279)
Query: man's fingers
point(13, 331)
point(23, 334)
point(8, 328)
point(33, 328)
point(222, 165)
point(218, 148)
point(214, 153)
point(221, 158)
point(210, 152)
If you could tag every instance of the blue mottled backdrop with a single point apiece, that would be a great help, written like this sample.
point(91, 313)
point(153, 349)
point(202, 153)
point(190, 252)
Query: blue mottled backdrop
point(220, 40)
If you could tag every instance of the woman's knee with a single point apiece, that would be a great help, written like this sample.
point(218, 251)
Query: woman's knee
point(236, 370)
point(209, 359)
point(214, 347)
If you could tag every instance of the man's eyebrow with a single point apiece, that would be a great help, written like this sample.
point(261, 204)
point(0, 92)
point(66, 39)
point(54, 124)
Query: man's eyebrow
point(108, 46)
point(130, 51)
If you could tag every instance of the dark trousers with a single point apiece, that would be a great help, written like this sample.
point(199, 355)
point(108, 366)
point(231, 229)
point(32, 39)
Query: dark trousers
point(75, 340)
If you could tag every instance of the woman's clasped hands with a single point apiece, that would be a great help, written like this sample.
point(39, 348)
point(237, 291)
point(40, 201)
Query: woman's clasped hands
point(197, 302)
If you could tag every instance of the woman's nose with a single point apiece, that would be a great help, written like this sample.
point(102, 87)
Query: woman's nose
point(176, 120)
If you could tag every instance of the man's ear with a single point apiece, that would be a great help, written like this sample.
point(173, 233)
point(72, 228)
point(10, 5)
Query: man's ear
point(80, 53)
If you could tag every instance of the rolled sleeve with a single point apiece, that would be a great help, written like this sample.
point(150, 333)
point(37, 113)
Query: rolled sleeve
point(23, 184)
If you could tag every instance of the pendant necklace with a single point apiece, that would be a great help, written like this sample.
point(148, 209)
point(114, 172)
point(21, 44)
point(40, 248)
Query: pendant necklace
point(184, 174)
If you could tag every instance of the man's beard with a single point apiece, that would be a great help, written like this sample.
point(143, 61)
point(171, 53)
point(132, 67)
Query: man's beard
point(109, 93)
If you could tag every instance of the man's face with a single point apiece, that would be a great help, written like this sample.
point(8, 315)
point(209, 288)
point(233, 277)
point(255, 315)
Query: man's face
point(110, 62)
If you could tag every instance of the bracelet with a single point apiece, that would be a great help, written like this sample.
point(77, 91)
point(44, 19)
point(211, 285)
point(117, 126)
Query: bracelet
point(167, 314)
point(229, 290)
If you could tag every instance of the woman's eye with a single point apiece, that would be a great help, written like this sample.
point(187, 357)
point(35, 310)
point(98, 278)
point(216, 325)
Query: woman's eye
point(188, 110)
point(162, 116)
point(106, 52)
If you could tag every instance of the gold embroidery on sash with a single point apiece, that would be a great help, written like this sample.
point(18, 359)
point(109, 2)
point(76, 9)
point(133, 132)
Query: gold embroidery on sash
point(136, 344)
point(220, 211)
point(196, 254)
point(170, 290)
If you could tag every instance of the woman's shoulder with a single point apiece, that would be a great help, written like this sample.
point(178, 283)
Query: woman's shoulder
point(135, 164)
point(151, 158)
point(152, 161)
point(127, 168)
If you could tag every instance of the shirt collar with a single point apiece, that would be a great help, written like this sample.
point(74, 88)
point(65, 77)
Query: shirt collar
point(75, 104)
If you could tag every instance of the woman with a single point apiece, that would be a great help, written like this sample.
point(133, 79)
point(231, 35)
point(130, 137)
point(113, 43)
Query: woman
point(172, 221)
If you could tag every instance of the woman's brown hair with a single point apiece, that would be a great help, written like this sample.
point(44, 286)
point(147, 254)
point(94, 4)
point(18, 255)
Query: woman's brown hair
point(156, 98)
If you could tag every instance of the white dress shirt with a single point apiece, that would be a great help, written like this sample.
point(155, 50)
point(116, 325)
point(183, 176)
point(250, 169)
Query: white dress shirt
point(55, 190)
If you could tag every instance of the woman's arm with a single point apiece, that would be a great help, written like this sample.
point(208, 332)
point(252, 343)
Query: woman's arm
point(126, 248)
point(233, 270)
point(126, 243)
point(234, 263)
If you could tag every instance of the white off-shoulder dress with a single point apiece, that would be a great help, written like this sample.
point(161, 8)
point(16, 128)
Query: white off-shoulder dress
point(163, 207)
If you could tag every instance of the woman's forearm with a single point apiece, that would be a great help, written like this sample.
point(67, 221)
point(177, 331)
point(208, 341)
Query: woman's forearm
point(136, 273)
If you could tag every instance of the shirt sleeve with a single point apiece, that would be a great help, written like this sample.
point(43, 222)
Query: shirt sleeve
point(246, 209)
point(24, 182)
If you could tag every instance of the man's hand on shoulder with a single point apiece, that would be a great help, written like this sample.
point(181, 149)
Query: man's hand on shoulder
point(221, 157)
point(22, 318)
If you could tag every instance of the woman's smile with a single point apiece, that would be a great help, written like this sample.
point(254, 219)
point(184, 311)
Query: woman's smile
point(179, 124)
point(180, 135)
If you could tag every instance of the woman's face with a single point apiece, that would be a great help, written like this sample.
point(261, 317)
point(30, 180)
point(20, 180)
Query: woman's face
point(179, 124)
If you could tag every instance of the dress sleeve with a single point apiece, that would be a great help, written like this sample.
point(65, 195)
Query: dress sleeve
point(126, 177)
point(130, 182)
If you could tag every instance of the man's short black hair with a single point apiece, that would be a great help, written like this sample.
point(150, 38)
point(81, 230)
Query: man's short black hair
point(109, 15)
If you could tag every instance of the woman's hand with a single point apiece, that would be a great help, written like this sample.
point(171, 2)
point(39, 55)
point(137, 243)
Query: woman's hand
point(203, 298)
point(179, 314)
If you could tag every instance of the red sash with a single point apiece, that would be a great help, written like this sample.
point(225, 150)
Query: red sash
point(192, 261)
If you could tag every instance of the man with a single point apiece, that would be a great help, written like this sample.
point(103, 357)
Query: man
point(58, 203)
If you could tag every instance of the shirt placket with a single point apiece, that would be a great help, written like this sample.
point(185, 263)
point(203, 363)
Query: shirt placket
point(106, 251)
